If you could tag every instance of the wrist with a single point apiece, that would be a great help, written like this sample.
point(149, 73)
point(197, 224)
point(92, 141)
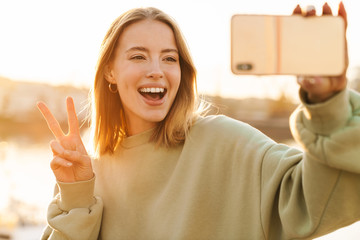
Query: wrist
point(314, 98)
point(76, 195)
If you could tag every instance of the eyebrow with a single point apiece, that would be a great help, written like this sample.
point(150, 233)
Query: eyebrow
point(143, 49)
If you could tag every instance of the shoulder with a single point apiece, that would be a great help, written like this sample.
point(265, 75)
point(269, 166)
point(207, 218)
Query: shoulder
point(220, 126)
point(221, 137)
point(220, 123)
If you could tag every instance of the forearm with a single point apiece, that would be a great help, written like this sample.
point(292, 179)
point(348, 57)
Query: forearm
point(311, 193)
point(74, 213)
point(330, 132)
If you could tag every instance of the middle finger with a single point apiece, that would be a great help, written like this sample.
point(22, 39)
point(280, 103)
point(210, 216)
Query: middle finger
point(327, 9)
point(72, 117)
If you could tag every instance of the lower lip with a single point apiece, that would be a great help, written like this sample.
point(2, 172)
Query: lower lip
point(154, 103)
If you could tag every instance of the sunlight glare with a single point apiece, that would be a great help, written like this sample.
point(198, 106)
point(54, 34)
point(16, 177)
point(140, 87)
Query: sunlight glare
point(58, 42)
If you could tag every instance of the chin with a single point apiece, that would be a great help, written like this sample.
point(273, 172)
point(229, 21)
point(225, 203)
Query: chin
point(156, 118)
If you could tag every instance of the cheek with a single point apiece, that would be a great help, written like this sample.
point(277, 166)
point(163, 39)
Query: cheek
point(123, 85)
point(176, 78)
point(125, 79)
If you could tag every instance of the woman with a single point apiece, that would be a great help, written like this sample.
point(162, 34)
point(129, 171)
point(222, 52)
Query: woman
point(164, 172)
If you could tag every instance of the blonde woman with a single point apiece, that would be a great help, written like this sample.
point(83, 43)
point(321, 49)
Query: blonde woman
point(162, 171)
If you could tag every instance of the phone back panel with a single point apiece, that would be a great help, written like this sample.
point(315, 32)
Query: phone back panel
point(288, 45)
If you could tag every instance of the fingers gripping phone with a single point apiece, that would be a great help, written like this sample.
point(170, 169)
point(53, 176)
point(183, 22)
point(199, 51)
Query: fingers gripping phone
point(287, 45)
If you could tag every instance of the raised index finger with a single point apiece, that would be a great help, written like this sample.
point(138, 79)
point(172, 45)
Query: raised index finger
point(51, 121)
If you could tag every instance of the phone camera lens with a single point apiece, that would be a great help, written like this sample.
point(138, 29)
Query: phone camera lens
point(244, 66)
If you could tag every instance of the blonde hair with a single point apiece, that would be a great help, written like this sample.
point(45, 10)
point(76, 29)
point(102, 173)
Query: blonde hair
point(108, 120)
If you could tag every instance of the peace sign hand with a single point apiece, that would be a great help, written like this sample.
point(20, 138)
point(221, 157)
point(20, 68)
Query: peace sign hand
point(71, 163)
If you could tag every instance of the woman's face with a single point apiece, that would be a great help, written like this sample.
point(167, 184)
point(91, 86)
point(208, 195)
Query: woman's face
point(147, 72)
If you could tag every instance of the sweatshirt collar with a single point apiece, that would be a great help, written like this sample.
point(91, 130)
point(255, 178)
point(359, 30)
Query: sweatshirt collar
point(137, 140)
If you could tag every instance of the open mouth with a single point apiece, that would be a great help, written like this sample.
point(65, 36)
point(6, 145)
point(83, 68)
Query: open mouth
point(153, 93)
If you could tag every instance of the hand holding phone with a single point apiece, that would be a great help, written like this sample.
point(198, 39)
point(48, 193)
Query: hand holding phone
point(321, 88)
point(320, 79)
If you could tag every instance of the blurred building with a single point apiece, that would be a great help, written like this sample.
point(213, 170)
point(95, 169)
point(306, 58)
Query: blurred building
point(18, 99)
point(19, 116)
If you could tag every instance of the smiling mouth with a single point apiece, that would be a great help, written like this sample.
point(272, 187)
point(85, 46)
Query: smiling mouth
point(153, 93)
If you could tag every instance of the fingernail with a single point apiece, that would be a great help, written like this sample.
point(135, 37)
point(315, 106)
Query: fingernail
point(300, 79)
point(310, 8)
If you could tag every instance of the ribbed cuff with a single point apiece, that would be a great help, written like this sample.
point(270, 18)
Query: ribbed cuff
point(326, 117)
point(76, 195)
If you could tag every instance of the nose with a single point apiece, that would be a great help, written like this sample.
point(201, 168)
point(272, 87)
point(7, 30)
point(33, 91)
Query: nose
point(155, 71)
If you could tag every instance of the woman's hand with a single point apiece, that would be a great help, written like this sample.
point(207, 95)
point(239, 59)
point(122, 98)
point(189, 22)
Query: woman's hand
point(321, 88)
point(71, 163)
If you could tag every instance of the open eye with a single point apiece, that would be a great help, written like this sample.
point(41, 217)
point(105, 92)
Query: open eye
point(170, 59)
point(137, 57)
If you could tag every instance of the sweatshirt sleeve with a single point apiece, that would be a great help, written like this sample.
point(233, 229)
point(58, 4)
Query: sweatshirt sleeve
point(311, 193)
point(74, 213)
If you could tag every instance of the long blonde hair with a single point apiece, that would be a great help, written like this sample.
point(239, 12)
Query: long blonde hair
point(110, 129)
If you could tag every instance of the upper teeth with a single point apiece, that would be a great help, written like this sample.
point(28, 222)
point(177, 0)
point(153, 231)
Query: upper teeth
point(152, 90)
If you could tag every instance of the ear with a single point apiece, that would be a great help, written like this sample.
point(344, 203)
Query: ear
point(109, 74)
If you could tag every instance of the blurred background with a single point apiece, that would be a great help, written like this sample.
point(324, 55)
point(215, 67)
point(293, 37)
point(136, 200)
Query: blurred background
point(48, 50)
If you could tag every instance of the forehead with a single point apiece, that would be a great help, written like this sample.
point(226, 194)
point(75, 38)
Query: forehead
point(148, 33)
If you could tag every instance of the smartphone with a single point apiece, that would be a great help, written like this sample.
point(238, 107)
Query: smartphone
point(287, 45)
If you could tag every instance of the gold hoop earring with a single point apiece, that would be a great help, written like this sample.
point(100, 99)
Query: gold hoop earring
point(111, 89)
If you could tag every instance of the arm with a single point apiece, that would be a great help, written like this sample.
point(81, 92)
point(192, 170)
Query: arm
point(74, 212)
point(305, 195)
point(313, 193)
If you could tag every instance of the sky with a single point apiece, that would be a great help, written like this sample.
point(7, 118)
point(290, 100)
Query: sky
point(57, 42)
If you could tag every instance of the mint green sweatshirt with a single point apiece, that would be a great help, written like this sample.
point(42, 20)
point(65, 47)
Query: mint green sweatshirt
point(227, 181)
